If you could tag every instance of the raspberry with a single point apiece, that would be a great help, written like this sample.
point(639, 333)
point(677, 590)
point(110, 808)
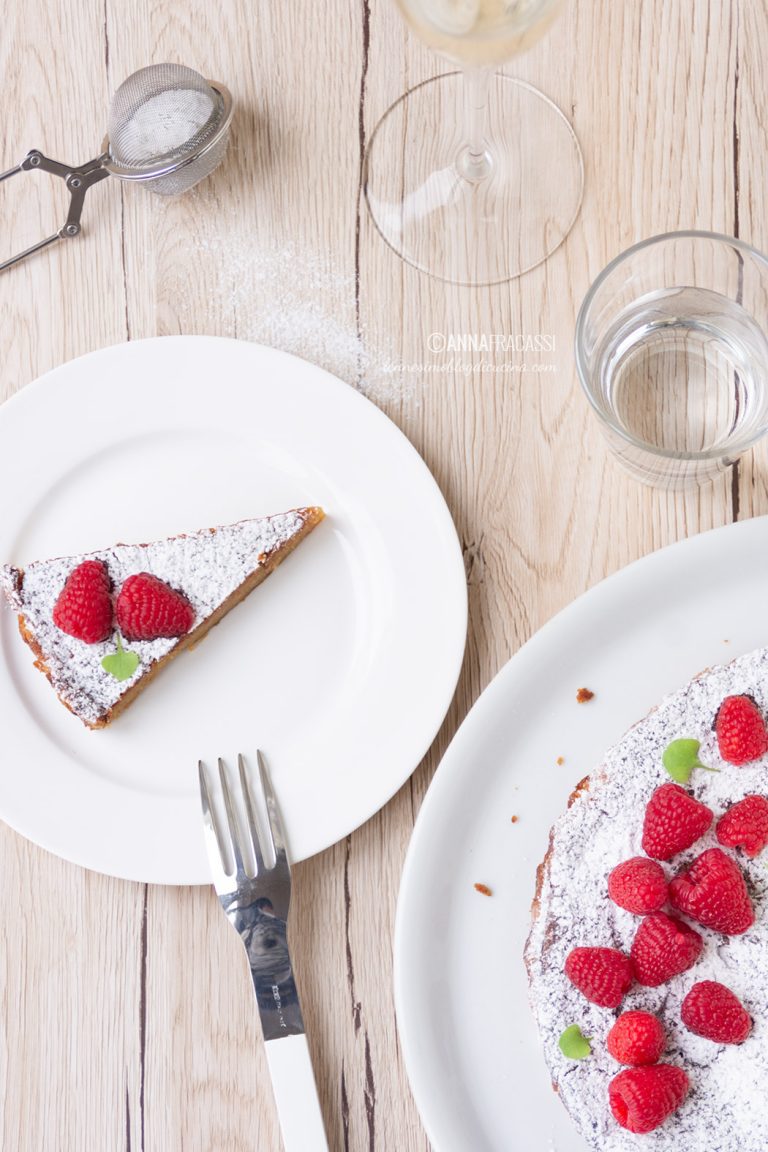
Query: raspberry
point(674, 820)
point(662, 948)
point(740, 729)
point(643, 1098)
point(84, 607)
point(603, 975)
point(639, 885)
point(711, 1010)
point(636, 1038)
point(745, 825)
point(712, 890)
point(149, 609)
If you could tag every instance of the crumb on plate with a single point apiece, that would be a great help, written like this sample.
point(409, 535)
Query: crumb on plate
point(483, 889)
point(560, 760)
point(584, 695)
point(515, 819)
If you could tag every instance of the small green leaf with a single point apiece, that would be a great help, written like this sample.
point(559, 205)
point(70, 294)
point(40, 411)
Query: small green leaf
point(574, 1044)
point(681, 757)
point(121, 664)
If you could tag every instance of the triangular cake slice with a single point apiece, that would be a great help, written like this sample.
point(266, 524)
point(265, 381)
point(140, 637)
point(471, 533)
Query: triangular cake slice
point(186, 582)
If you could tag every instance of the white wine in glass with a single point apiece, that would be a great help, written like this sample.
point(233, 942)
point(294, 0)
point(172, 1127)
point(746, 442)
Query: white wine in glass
point(477, 32)
point(475, 177)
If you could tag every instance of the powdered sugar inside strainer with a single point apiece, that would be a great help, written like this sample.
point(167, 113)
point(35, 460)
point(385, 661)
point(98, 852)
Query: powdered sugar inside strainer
point(168, 129)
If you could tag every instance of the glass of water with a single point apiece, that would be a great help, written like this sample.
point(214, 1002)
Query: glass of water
point(672, 352)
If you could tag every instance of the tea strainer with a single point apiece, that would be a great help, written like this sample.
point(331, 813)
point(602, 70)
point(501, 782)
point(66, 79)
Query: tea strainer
point(168, 129)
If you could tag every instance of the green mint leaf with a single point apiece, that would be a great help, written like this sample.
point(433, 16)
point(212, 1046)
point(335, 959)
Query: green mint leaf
point(121, 664)
point(681, 757)
point(574, 1044)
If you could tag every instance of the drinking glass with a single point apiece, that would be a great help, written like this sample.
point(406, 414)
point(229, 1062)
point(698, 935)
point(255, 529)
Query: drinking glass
point(672, 353)
point(475, 177)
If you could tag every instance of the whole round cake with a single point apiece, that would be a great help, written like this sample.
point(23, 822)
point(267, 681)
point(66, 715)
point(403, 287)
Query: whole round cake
point(681, 803)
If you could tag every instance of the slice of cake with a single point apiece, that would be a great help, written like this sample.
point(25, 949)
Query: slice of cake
point(650, 813)
point(103, 624)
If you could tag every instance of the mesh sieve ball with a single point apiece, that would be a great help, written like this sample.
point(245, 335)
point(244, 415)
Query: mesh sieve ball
point(168, 128)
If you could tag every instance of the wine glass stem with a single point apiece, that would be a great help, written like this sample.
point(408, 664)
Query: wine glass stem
point(475, 161)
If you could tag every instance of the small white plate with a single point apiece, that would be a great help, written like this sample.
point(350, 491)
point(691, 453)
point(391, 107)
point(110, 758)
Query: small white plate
point(461, 990)
point(341, 666)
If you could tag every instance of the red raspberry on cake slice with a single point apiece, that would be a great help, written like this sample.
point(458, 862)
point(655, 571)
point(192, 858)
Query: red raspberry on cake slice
point(84, 606)
point(636, 1038)
point(713, 891)
point(641, 1099)
point(603, 975)
point(740, 729)
point(169, 594)
point(638, 885)
point(745, 825)
point(674, 821)
point(713, 1011)
point(663, 947)
point(149, 609)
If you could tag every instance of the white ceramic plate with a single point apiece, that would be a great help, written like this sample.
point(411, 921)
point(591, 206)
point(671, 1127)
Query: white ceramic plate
point(341, 666)
point(467, 1032)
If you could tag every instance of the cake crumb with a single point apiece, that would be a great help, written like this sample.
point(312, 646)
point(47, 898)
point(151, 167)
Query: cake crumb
point(515, 819)
point(483, 889)
point(560, 761)
point(584, 695)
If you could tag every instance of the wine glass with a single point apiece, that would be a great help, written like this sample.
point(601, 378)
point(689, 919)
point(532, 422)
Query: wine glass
point(475, 177)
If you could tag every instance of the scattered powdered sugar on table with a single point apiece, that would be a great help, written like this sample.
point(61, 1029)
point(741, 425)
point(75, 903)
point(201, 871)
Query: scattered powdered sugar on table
point(724, 1110)
point(290, 297)
point(207, 566)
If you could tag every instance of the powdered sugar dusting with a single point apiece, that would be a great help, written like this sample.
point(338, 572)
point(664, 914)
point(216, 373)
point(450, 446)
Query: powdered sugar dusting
point(289, 297)
point(207, 566)
point(602, 828)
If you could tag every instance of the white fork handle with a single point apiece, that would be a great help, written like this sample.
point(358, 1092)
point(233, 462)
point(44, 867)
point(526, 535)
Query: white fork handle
point(293, 1084)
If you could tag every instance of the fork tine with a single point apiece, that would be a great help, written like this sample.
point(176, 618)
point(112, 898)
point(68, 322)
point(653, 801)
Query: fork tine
point(276, 830)
point(234, 832)
point(251, 813)
point(213, 842)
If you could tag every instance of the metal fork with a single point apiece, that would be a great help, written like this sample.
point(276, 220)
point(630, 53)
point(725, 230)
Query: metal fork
point(257, 906)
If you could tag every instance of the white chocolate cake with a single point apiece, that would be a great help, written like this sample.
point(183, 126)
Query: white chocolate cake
point(212, 570)
point(726, 1108)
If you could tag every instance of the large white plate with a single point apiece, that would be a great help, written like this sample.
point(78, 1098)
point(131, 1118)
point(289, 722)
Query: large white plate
point(341, 666)
point(467, 1033)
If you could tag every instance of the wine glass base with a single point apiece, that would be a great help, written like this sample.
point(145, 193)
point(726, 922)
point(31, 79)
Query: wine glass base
point(454, 228)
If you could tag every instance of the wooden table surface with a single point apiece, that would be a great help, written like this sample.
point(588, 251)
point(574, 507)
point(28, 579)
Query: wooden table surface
point(127, 1020)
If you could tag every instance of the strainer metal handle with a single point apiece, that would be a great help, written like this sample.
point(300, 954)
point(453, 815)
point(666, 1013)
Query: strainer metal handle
point(148, 111)
point(77, 179)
